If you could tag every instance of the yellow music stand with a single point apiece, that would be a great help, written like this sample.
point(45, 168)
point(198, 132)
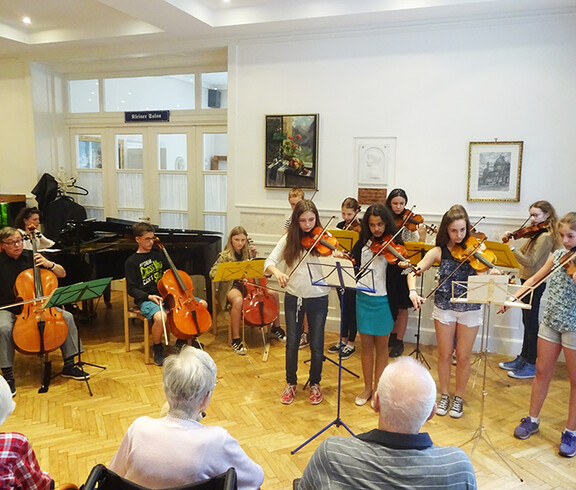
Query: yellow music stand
point(246, 269)
point(415, 251)
point(504, 256)
point(346, 238)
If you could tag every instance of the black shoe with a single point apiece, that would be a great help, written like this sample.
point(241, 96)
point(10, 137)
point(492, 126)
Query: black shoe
point(397, 349)
point(74, 372)
point(158, 354)
point(180, 343)
point(12, 385)
point(197, 344)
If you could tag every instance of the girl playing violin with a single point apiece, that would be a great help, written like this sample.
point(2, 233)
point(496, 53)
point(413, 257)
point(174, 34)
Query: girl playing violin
point(396, 202)
point(302, 298)
point(460, 320)
point(540, 243)
point(374, 312)
point(557, 333)
point(345, 348)
point(350, 210)
point(237, 249)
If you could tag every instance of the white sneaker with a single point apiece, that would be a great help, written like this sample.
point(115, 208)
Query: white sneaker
point(443, 405)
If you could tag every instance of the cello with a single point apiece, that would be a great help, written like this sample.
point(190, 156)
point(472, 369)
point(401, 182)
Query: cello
point(187, 317)
point(38, 330)
point(259, 306)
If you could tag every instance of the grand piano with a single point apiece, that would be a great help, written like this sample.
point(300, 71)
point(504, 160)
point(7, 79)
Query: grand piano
point(95, 249)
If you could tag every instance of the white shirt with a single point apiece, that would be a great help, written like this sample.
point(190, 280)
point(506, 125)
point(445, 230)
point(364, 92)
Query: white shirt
point(378, 268)
point(300, 284)
point(170, 452)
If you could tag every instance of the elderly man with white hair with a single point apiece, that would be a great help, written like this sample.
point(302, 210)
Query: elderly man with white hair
point(177, 449)
point(397, 454)
point(19, 467)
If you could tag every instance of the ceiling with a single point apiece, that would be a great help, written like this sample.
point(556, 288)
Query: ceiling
point(87, 33)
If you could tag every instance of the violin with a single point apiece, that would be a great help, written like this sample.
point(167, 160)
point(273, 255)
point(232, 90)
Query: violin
point(477, 234)
point(393, 252)
point(37, 330)
point(321, 241)
point(187, 317)
point(568, 262)
point(411, 221)
point(259, 306)
point(481, 261)
point(526, 232)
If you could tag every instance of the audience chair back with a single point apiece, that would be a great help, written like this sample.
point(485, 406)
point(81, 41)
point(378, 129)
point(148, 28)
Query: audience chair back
point(101, 478)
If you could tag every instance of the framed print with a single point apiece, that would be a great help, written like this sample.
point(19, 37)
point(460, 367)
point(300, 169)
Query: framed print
point(292, 151)
point(494, 171)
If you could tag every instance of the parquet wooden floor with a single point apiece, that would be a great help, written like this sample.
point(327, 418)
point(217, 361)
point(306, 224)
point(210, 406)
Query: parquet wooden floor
point(72, 431)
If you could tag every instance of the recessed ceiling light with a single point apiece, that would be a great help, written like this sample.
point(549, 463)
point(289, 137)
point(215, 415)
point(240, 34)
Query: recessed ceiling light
point(26, 20)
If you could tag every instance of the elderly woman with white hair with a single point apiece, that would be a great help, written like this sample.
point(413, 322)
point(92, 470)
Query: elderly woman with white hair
point(177, 449)
point(19, 467)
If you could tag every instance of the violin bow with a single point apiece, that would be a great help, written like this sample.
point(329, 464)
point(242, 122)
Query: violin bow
point(363, 269)
point(318, 238)
point(567, 257)
point(474, 250)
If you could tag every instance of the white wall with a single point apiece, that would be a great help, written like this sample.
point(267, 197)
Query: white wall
point(434, 89)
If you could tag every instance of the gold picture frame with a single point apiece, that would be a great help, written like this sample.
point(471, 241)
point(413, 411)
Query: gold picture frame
point(494, 171)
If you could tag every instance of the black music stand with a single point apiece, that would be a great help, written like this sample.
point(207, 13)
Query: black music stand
point(71, 294)
point(330, 272)
point(416, 252)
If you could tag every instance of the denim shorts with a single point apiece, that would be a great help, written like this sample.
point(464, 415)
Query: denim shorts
point(149, 309)
point(472, 318)
point(567, 339)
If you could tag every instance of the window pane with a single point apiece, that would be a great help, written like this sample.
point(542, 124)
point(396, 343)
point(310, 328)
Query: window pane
point(215, 151)
point(131, 215)
point(215, 193)
point(130, 190)
point(215, 222)
point(149, 93)
point(174, 220)
point(214, 90)
point(93, 213)
point(92, 182)
point(129, 152)
point(172, 152)
point(174, 192)
point(88, 151)
point(83, 96)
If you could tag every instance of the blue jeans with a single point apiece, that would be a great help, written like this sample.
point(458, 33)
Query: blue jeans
point(316, 310)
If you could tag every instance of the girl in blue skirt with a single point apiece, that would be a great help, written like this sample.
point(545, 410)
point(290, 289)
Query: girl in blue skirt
point(374, 313)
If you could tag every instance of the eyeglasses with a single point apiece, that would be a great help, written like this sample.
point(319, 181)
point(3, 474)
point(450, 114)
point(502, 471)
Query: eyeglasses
point(13, 243)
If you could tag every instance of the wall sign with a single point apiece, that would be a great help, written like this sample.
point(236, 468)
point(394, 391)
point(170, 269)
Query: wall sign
point(147, 116)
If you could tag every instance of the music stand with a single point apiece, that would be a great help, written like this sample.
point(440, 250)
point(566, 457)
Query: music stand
point(330, 272)
point(415, 252)
point(490, 290)
point(245, 269)
point(71, 294)
point(346, 238)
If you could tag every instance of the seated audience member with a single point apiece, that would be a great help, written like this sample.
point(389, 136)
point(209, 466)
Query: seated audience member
point(396, 454)
point(18, 465)
point(177, 449)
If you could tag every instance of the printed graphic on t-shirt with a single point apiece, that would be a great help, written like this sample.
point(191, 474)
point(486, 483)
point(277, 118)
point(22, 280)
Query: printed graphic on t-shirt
point(151, 271)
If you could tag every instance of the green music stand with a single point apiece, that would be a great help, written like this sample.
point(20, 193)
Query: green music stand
point(71, 294)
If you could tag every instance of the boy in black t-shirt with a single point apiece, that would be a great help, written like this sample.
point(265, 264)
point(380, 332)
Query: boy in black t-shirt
point(143, 271)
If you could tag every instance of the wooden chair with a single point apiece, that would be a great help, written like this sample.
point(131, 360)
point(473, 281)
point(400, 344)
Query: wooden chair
point(131, 313)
